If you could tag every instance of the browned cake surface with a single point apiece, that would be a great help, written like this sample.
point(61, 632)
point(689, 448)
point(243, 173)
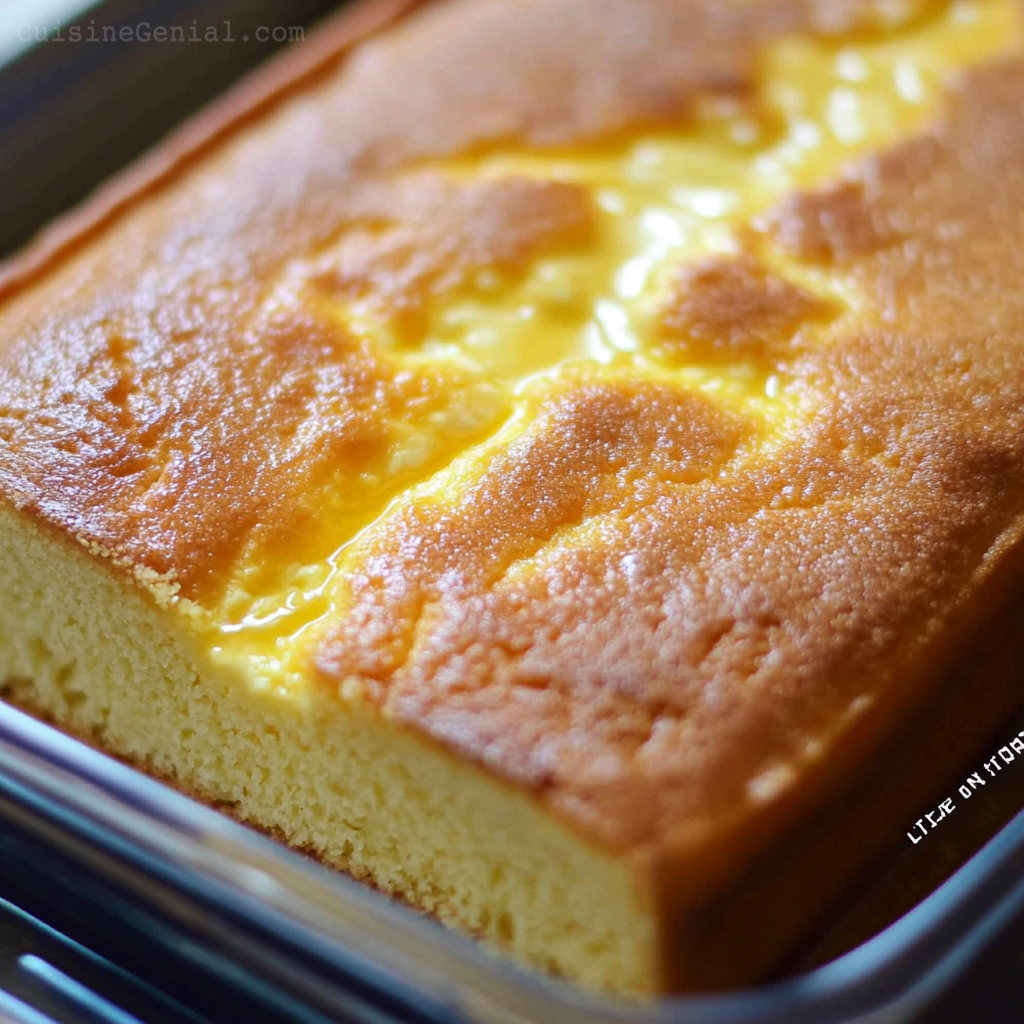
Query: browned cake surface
point(731, 602)
point(644, 608)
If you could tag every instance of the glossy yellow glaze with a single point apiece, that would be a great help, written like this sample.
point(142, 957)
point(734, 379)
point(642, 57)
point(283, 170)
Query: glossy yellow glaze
point(672, 197)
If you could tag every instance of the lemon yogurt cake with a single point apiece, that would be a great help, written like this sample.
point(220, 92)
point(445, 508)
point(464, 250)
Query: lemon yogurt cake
point(541, 459)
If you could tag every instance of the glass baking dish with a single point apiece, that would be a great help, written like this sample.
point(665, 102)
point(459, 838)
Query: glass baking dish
point(147, 867)
point(140, 871)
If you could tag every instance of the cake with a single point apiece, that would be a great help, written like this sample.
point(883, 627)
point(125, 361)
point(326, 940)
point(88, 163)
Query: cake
point(561, 464)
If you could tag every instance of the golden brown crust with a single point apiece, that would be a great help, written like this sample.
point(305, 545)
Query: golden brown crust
point(445, 630)
point(836, 224)
point(733, 307)
point(551, 73)
point(125, 449)
point(422, 235)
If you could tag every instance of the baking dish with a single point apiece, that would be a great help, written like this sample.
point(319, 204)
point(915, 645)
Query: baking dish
point(70, 238)
point(134, 867)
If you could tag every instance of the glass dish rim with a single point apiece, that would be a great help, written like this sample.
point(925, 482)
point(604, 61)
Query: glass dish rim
point(262, 884)
point(117, 806)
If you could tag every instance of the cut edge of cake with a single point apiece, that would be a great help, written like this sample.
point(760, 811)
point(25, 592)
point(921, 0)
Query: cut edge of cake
point(88, 648)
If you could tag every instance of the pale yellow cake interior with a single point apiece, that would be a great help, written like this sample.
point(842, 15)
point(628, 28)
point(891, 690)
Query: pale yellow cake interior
point(219, 698)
